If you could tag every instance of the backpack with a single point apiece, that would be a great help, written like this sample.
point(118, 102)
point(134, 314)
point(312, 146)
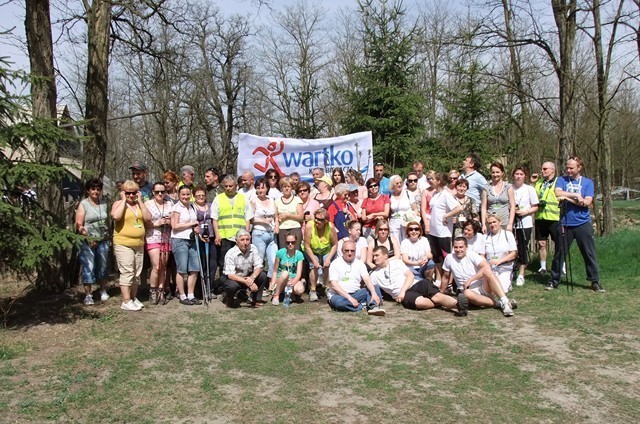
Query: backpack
point(340, 221)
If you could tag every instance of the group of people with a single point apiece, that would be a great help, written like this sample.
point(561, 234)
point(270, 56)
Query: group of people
point(430, 239)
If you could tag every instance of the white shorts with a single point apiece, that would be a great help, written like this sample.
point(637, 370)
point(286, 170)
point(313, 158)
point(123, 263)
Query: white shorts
point(505, 279)
point(478, 287)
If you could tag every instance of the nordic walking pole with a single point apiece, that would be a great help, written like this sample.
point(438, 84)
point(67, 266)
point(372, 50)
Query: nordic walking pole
point(207, 259)
point(202, 283)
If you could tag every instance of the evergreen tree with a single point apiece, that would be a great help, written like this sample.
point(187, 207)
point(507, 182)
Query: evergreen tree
point(385, 100)
point(30, 234)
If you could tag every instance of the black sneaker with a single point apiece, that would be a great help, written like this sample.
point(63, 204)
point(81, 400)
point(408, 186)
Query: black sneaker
point(186, 302)
point(463, 305)
point(196, 301)
point(551, 285)
point(597, 287)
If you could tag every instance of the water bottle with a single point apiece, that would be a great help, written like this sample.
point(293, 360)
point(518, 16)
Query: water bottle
point(287, 296)
point(320, 276)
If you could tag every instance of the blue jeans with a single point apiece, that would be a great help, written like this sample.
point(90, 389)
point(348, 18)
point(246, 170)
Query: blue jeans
point(185, 255)
point(94, 261)
point(265, 242)
point(341, 303)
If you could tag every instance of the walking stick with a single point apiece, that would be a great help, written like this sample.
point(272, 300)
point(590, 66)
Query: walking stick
point(202, 281)
point(207, 259)
point(568, 278)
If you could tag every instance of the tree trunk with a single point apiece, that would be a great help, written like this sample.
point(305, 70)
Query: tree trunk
point(52, 275)
point(97, 85)
point(564, 13)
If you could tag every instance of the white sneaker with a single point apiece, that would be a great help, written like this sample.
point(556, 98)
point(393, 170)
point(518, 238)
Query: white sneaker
point(129, 306)
point(88, 300)
point(520, 280)
point(275, 301)
point(104, 296)
point(313, 296)
point(377, 311)
point(506, 310)
point(137, 303)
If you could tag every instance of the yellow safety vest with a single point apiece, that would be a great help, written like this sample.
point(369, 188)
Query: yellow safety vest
point(230, 218)
point(551, 212)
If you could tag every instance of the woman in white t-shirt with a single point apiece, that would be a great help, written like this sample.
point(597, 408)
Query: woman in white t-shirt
point(265, 224)
point(355, 235)
point(416, 252)
point(184, 230)
point(526, 206)
point(500, 247)
point(400, 203)
point(444, 207)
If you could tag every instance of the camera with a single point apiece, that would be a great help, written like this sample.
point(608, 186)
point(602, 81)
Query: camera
point(542, 204)
point(205, 231)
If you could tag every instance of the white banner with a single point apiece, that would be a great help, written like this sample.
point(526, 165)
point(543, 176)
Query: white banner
point(287, 155)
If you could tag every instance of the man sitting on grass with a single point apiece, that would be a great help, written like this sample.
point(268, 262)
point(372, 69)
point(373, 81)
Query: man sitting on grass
point(393, 276)
point(476, 283)
point(346, 275)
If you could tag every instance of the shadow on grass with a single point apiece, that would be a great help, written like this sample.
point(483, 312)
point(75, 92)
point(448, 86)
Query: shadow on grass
point(33, 308)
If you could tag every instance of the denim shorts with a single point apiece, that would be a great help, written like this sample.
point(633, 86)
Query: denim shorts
point(94, 261)
point(185, 255)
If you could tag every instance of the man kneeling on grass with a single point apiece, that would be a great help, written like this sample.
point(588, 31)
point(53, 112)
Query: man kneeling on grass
point(393, 276)
point(346, 275)
point(242, 272)
point(476, 283)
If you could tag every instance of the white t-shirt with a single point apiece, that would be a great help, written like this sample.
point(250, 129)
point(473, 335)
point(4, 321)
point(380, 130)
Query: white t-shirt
point(348, 276)
point(441, 203)
point(476, 244)
point(390, 278)
point(462, 269)
point(498, 246)
point(187, 214)
point(290, 207)
point(362, 242)
point(399, 205)
point(526, 197)
point(415, 251)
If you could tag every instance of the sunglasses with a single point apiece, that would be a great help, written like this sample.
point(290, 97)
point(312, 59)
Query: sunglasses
point(273, 177)
point(130, 193)
point(159, 191)
point(303, 190)
point(349, 250)
point(320, 219)
point(414, 229)
point(412, 181)
point(429, 179)
point(383, 229)
point(372, 186)
point(290, 242)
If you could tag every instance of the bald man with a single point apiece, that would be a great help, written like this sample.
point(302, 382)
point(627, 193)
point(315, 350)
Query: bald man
point(548, 214)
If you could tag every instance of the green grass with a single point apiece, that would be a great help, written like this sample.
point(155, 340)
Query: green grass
point(568, 356)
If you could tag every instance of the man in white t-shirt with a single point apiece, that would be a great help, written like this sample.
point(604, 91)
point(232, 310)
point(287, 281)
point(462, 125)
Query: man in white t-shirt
point(346, 274)
point(476, 283)
point(393, 277)
point(248, 189)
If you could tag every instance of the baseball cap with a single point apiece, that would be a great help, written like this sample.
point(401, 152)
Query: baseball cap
point(353, 187)
point(139, 166)
point(326, 179)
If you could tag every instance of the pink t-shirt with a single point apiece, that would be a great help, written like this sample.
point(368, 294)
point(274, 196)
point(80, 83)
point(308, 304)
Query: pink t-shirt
point(373, 206)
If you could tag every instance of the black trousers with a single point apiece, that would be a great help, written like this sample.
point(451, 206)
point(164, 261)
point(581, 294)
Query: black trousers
point(231, 287)
point(583, 235)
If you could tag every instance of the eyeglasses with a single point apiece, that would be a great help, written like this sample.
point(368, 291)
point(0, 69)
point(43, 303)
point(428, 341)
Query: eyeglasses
point(372, 186)
point(201, 195)
point(383, 229)
point(130, 193)
point(158, 191)
point(412, 180)
point(414, 229)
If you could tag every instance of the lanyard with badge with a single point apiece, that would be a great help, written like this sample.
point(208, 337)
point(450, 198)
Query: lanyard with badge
point(137, 224)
